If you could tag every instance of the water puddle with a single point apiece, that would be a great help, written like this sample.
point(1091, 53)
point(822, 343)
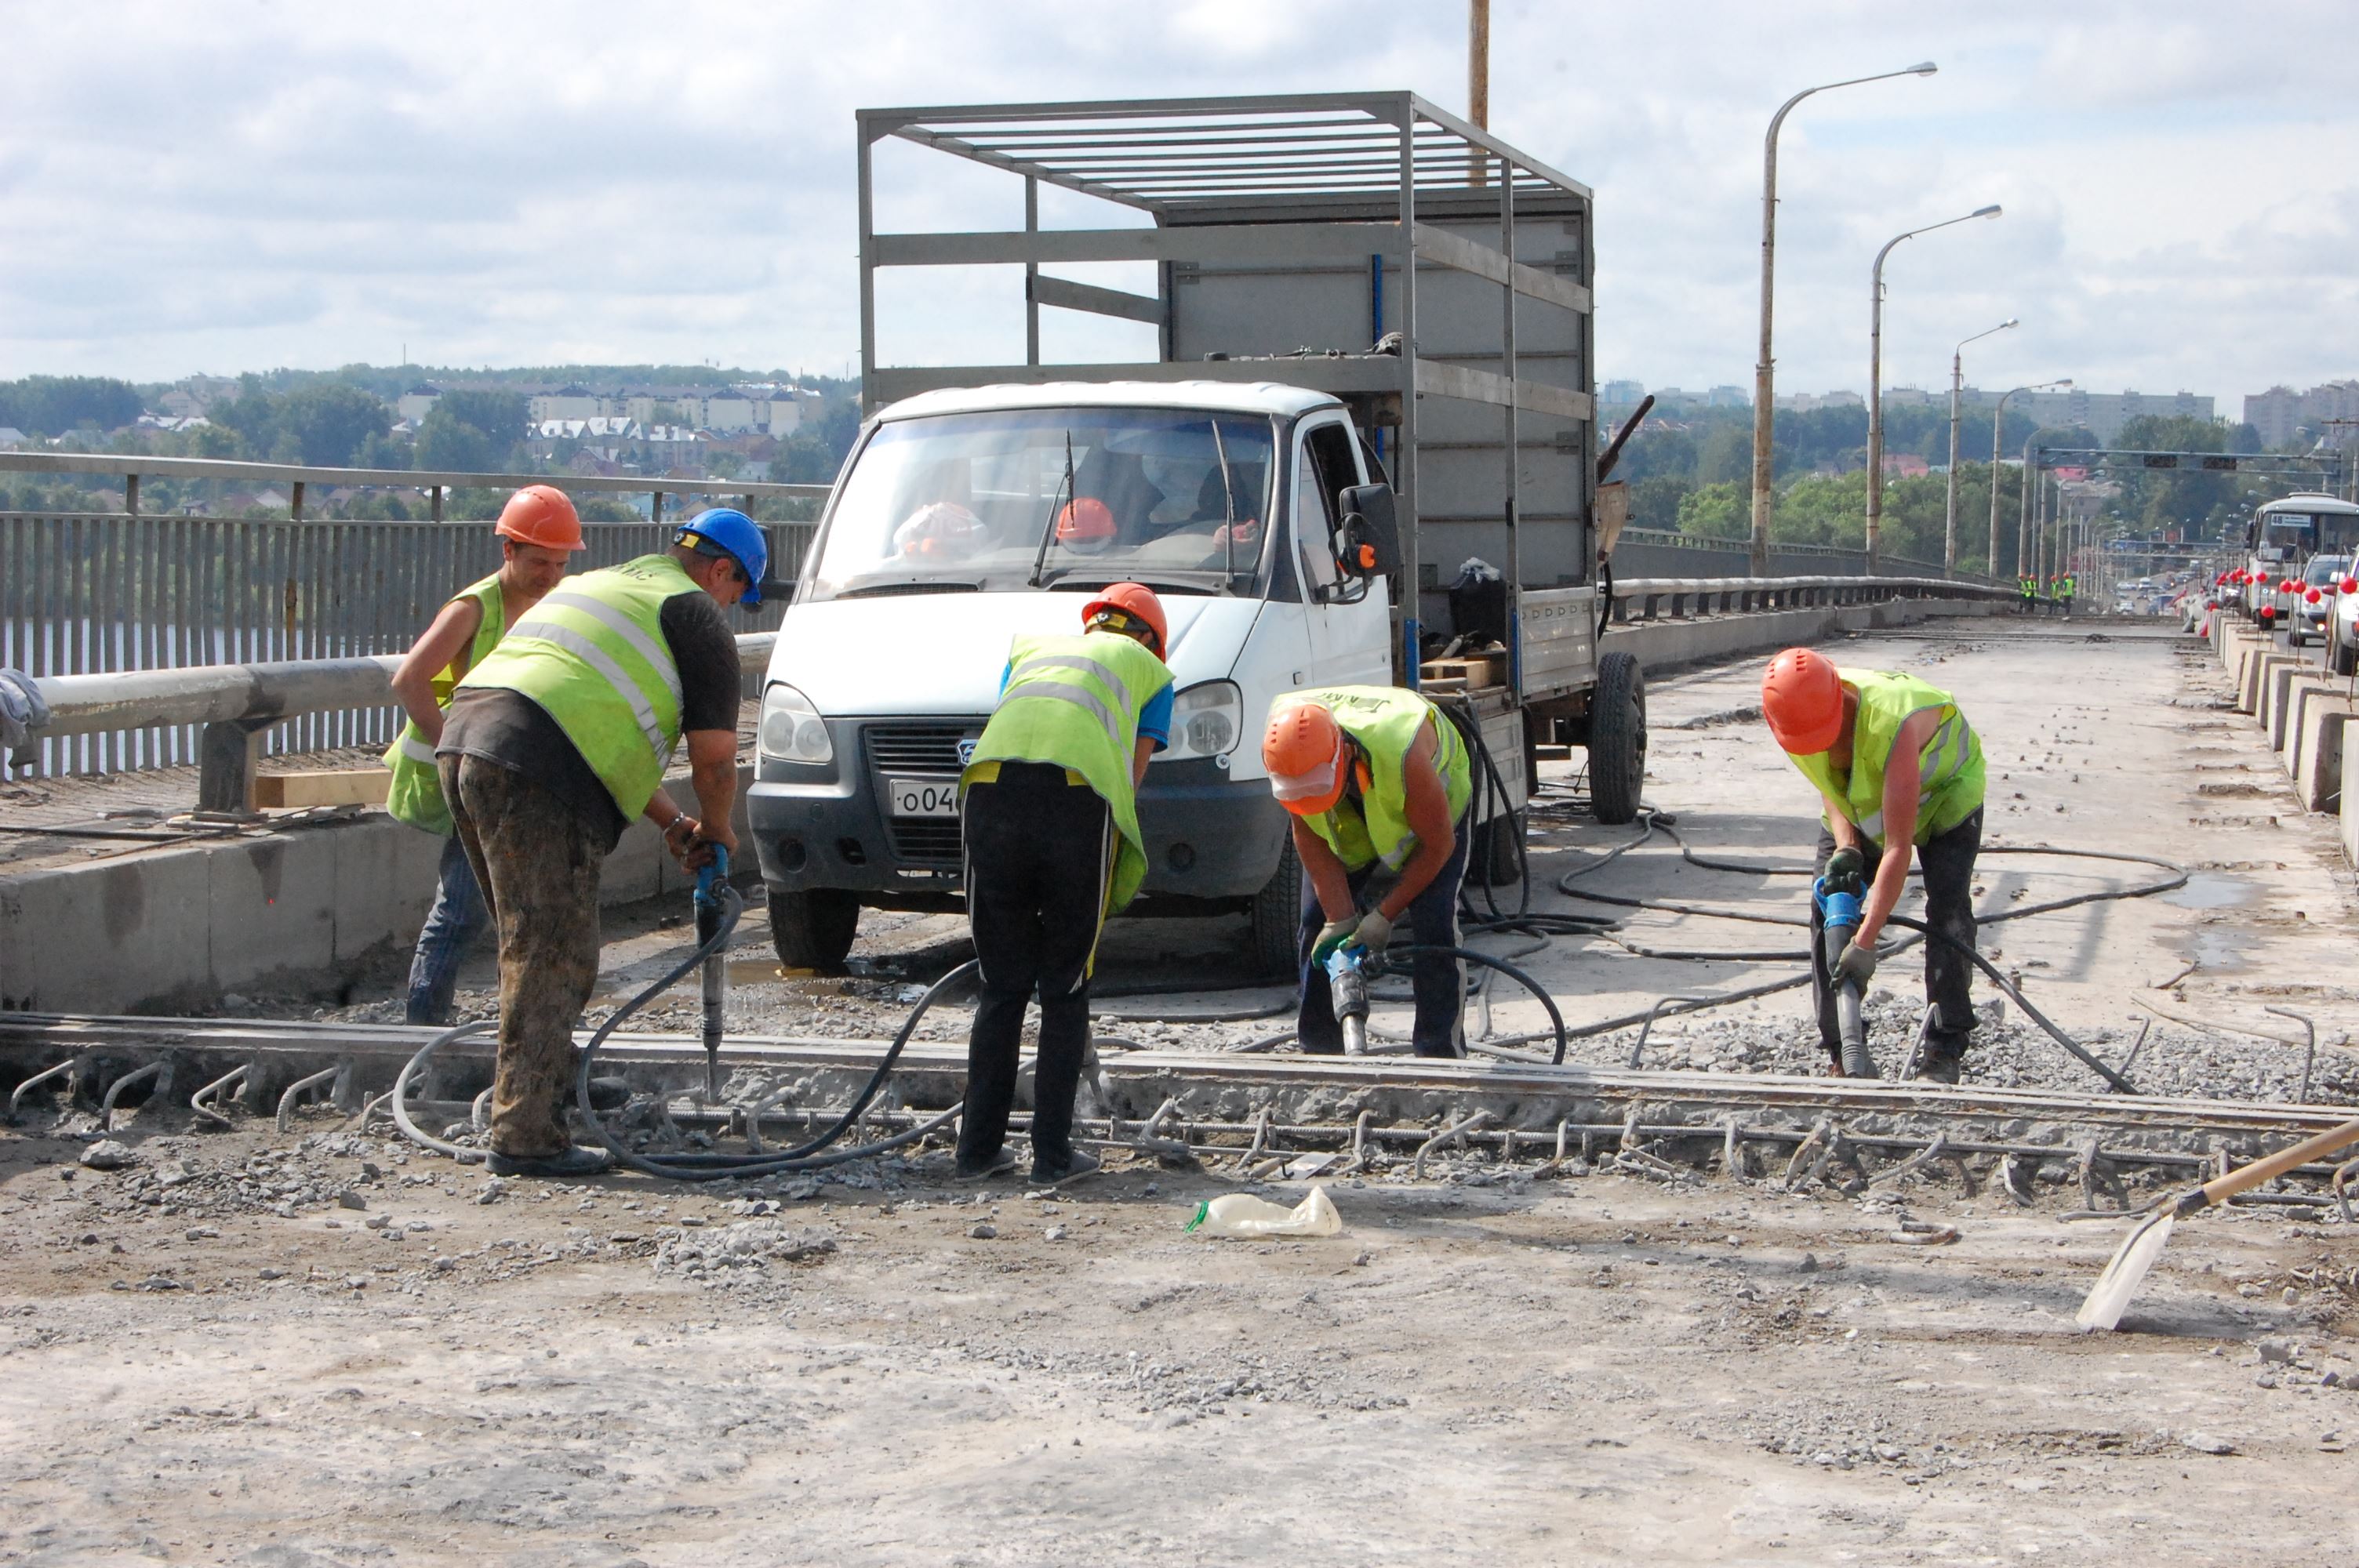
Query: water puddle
point(2212, 890)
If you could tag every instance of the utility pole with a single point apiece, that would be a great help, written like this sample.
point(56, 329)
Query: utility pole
point(1875, 374)
point(1478, 66)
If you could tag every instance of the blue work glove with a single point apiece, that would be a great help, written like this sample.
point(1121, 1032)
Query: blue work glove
point(1375, 933)
point(1332, 935)
point(1857, 966)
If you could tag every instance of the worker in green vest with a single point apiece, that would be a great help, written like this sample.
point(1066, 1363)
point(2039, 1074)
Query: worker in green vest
point(556, 742)
point(539, 531)
point(2064, 593)
point(1897, 767)
point(1378, 780)
point(2027, 586)
point(1048, 804)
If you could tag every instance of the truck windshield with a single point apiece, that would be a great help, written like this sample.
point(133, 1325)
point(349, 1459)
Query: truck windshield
point(1088, 496)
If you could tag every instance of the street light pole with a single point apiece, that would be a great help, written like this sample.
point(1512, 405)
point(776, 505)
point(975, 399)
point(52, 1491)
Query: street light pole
point(1875, 374)
point(1957, 390)
point(1763, 459)
point(1998, 422)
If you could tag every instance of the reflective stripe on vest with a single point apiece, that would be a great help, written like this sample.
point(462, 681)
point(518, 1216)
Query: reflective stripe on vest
point(594, 658)
point(414, 795)
point(1052, 682)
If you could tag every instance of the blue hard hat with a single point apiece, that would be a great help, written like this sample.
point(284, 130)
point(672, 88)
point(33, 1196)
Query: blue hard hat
point(729, 531)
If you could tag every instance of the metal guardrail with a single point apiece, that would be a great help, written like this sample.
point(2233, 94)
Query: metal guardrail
point(1660, 598)
point(1672, 539)
point(232, 707)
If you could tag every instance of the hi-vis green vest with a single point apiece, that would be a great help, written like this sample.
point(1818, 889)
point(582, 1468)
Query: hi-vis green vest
point(2030, 587)
point(1951, 766)
point(1074, 703)
point(1385, 721)
point(593, 656)
point(415, 796)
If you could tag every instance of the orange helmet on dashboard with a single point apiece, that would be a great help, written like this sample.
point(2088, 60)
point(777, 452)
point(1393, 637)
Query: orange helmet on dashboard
point(1801, 698)
point(1127, 606)
point(1085, 524)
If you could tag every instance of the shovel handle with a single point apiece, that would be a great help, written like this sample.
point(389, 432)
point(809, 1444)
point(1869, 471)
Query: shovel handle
point(2220, 1188)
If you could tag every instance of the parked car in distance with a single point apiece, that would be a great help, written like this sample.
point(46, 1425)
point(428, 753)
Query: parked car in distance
point(2312, 607)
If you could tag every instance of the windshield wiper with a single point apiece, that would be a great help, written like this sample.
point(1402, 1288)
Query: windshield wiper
point(924, 585)
point(1065, 488)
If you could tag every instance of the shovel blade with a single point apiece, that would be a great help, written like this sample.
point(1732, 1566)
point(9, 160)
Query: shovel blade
point(2110, 1297)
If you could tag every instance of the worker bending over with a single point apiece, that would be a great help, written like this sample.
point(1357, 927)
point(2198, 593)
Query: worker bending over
point(555, 742)
point(1378, 781)
point(538, 530)
point(1050, 817)
point(1895, 764)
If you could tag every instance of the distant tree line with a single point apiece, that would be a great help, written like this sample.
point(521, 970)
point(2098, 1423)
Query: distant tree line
point(52, 404)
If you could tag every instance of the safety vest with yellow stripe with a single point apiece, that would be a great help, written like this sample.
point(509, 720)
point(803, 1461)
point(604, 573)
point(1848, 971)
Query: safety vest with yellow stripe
point(1074, 703)
point(1385, 721)
point(415, 795)
point(1950, 768)
point(593, 656)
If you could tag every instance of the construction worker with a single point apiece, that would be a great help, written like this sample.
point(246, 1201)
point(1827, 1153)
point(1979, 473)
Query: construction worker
point(1378, 781)
point(1050, 816)
point(539, 531)
point(1895, 765)
point(2028, 585)
point(2064, 593)
point(555, 742)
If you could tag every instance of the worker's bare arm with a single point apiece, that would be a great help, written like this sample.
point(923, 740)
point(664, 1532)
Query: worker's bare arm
point(1328, 877)
point(444, 643)
point(712, 776)
point(1138, 759)
point(1426, 801)
point(1902, 774)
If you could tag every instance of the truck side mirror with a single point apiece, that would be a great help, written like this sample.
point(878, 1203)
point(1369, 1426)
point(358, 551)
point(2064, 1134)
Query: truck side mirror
point(1369, 542)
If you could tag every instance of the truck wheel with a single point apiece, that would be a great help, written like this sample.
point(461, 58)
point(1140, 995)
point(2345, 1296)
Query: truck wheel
point(1617, 738)
point(813, 930)
point(2342, 658)
point(1276, 917)
point(1492, 860)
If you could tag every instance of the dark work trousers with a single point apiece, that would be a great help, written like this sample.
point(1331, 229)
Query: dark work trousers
point(458, 917)
point(1948, 861)
point(1438, 980)
point(1038, 850)
point(537, 861)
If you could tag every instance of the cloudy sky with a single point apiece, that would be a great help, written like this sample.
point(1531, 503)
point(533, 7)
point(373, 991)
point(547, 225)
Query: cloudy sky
point(239, 185)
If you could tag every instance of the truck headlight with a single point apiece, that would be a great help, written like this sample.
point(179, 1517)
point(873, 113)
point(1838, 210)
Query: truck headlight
point(791, 729)
point(1206, 720)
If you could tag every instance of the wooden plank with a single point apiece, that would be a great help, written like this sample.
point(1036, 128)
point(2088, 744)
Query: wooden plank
point(1470, 672)
point(1465, 255)
point(343, 787)
point(1066, 295)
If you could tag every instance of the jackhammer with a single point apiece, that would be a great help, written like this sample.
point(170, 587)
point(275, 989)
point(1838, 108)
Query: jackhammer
point(709, 882)
point(1838, 894)
point(1347, 981)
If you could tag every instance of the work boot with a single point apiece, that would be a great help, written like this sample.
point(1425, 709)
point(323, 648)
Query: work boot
point(1938, 1067)
point(575, 1162)
point(997, 1164)
point(1078, 1164)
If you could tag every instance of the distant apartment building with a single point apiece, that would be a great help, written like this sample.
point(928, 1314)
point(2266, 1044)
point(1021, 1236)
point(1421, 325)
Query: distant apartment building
point(1908, 397)
point(417, 402)
point(1727, 398)
point(2281, 413)
point(565, 403)
point(2102, 413)
point(1807, 402)
point(1621, 393)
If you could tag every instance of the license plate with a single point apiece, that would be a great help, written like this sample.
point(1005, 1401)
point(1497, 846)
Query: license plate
point(921, 798)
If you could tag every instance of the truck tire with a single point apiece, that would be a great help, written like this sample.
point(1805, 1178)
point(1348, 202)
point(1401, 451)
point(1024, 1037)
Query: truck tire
point(1275, 933)
point(1490, 858)
point(813, 930)
point(2340, 657)
point(1617, 738)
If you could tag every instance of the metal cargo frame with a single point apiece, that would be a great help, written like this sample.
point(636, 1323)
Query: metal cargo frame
point(1324, 180)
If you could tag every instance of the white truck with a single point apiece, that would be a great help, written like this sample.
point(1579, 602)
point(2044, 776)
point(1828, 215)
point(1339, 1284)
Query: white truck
point(1280, 473)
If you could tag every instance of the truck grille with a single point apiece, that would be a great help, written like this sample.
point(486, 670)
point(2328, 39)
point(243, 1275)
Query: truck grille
point(930, 750)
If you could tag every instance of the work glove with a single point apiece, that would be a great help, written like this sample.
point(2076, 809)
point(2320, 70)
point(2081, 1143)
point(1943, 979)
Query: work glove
point(1332, 935)
point(1375, 933)
point(1857, 966)
point(1844, 867)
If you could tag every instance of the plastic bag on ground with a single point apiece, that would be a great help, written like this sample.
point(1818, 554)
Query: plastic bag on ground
point(1243, 1214)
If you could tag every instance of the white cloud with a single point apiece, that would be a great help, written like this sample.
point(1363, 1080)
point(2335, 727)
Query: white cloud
point(220, 187)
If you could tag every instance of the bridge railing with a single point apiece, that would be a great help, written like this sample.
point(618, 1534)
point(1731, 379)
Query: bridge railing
point(230, 710)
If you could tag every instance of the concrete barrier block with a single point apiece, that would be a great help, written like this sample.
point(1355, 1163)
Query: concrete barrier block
point(2287, 685)
point(2349, 805)
point(635, 871)
point(386, 876)
point(108, 936)
point(272, 906)
point(2315, 757)
point(2253, 686)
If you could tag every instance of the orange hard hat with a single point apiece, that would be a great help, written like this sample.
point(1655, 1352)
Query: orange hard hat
point(541, 514)
point(1801, 696)
point(1087, 520)
point(1124, 604)
point(1302, 751)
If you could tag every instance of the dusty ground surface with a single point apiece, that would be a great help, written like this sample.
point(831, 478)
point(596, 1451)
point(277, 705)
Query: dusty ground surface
point(325, 1349)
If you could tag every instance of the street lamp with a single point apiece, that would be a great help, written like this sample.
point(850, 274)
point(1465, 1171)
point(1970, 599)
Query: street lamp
point(1763, 461)
point(1998, 421)
point(1957, 389)
point(1875, 374)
